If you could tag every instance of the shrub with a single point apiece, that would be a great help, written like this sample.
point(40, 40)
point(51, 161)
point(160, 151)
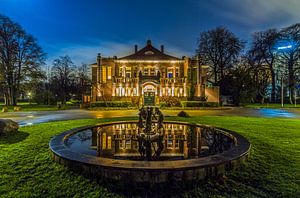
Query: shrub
point(111, 104)
point(198, 104)
point(162, 104)
point(183, 114)
point(170, 101)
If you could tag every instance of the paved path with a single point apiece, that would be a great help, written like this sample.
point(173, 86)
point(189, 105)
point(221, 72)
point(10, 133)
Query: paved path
point(35, 117)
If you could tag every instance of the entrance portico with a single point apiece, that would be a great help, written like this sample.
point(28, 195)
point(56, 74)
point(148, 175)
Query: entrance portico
point(150, 92)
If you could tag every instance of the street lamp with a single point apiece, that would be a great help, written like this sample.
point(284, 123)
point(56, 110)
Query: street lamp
point(29, 96)
point(285, 47)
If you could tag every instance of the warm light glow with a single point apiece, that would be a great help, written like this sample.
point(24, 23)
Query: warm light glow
point(109, 73)
point(104, 141)
point(104, 74)
point(149, 61)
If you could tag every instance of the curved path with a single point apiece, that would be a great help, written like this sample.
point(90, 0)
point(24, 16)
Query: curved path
point(35, 117)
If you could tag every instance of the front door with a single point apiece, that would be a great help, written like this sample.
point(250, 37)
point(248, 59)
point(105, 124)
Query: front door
point(149, 98)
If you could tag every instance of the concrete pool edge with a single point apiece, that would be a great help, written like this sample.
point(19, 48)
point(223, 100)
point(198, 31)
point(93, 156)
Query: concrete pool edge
point(150, 171)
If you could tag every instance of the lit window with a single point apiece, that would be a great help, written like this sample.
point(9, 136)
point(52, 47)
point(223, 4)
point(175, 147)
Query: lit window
point(104, 74)
point(170, 141)
point(149, 53)
point(128, 72)
point(108, 142)
point(152, 71)
point(170, 73)
point(103, 140)
point(120, 72)
point(108, 73)
point(128, 144)
point(177, 72)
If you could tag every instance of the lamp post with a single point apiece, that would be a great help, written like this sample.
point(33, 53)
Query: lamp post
point(29, 97)
point(281, 48)
point(282, 90)
point(295, 95)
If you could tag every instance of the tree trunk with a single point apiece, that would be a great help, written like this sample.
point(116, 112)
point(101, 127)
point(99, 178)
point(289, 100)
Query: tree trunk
point(273, 82)
point(6, 99)
point(291, 81)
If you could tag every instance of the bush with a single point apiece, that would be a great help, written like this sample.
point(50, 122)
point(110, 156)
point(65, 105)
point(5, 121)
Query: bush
point(111, 104)
point(17, 108)
point(198, 104)
point(8, 126)
point(183, 114)
point(170, 101)
point(162, 104)
point(4, 109)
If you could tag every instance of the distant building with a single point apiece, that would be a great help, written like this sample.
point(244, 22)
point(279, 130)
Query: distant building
point(150, 73)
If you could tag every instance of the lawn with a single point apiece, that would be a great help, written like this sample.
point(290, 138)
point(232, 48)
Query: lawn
point(26, 169)
point(273, 106)
point(35, 107)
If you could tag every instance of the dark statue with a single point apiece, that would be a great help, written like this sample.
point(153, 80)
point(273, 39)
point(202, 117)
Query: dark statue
point(149, 133)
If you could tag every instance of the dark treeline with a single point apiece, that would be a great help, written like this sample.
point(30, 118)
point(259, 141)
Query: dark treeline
point(261, 73)
point(23, 73)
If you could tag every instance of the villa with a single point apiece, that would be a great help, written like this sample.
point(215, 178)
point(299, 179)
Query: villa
point(149, 75)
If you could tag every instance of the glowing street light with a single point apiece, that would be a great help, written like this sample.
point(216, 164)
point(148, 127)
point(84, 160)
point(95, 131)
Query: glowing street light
point(284, 47)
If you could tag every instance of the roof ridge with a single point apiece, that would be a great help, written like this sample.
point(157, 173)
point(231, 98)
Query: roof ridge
point(149, 52)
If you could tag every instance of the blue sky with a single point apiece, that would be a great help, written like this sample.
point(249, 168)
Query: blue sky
point(83, 28)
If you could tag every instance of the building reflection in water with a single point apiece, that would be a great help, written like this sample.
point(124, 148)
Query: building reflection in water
point(180, 141)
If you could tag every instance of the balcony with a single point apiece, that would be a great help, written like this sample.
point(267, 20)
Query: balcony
point(125, 80)
point(172, 80)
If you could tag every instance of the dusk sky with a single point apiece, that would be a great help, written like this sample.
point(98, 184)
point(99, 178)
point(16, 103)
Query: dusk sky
point(83, 28)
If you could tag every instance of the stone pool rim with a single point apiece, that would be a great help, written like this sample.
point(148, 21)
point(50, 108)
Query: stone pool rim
point(62, 154)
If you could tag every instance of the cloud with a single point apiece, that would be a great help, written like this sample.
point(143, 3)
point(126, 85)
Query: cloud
point(86, 53)
point(256, 13)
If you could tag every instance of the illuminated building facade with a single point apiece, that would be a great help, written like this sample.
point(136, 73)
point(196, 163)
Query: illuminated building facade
point(150, 72)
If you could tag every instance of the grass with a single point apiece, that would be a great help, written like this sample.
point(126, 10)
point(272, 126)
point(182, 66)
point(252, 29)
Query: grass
point(271, 105)
point(26, 168)
point(35, 107)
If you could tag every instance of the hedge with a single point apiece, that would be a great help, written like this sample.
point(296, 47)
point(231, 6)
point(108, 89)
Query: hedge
point(198, 104)
point(112, 104)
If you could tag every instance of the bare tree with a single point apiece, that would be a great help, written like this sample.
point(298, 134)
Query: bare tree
point(83, 80)
point(20, 58)
point(219, 48)
point(63, 78)
point(289, 55)
point(264, 45)
point(260, 72)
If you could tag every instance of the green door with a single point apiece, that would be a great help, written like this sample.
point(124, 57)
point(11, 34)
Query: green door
point(149, 98)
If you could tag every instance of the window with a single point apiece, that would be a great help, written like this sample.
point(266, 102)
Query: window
point(104, 74)
point(170, 141)
point(108, 142)
point(120, 72)
point(103, 140)
point(128, 72)
point(177, 72)
point(146, 72)
point(108, 73)
point(170, 73)
point(149, 53)
point(128, 144)
point(152, 71)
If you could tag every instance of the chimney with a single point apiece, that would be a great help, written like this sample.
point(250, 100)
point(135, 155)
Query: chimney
point(148, 42)
point(162, 48)
point(135, 48)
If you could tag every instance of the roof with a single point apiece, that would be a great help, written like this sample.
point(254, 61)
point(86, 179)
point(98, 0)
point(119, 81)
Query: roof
point(149, 53)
